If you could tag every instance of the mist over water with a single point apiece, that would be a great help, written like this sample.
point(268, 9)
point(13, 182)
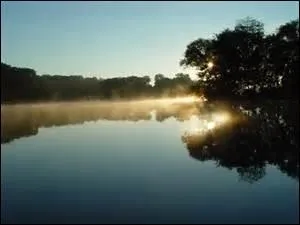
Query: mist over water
point(149, 161)
point(55, 114)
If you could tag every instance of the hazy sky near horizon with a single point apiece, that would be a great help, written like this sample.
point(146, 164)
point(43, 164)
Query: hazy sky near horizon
point(109, 39)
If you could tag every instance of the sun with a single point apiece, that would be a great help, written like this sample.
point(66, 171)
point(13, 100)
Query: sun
point(210, 65)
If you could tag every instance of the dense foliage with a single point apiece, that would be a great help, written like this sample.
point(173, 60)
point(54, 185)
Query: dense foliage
point(23, 84)
point(245, 62)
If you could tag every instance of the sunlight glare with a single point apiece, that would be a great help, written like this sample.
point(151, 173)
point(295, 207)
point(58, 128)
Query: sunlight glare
point(211, 125)
point(202, 126)
point(210, 65)
point(221, 117)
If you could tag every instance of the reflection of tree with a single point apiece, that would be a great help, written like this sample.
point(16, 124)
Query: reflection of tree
point(25, 129)
point(257, 134)
point(251, 173)
point(269, 135)
point(21, 121)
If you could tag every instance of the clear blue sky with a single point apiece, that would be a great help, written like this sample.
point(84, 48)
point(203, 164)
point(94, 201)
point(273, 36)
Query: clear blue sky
point(108, 39)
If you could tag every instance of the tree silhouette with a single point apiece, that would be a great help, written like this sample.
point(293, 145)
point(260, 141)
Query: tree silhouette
point(23, 85)
point(244, 62)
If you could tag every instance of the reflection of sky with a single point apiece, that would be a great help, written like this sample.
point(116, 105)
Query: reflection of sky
point(136, 170)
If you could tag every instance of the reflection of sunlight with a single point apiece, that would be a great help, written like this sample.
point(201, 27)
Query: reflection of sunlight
point(211, 125)
point(221, 117)
point(207, 123)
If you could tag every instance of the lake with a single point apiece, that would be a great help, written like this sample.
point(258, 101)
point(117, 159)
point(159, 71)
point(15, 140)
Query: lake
point(150, 162)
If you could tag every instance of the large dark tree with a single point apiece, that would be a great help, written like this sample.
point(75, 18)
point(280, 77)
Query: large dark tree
point(245, 61)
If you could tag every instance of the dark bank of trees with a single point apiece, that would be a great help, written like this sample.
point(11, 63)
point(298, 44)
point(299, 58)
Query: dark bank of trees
point(245, 62)
point(24, 85)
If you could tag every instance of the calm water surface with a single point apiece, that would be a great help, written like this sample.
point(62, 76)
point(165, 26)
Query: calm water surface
point(150, 163)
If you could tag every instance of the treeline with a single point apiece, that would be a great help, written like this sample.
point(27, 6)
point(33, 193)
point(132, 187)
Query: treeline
point(245, 62)
point(24, 85)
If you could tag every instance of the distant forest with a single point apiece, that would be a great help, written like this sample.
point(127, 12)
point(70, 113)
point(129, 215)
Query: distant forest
point(242, 62)
point(23, 84)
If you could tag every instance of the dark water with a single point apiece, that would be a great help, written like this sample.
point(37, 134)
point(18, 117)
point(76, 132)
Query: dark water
point(150, 163)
